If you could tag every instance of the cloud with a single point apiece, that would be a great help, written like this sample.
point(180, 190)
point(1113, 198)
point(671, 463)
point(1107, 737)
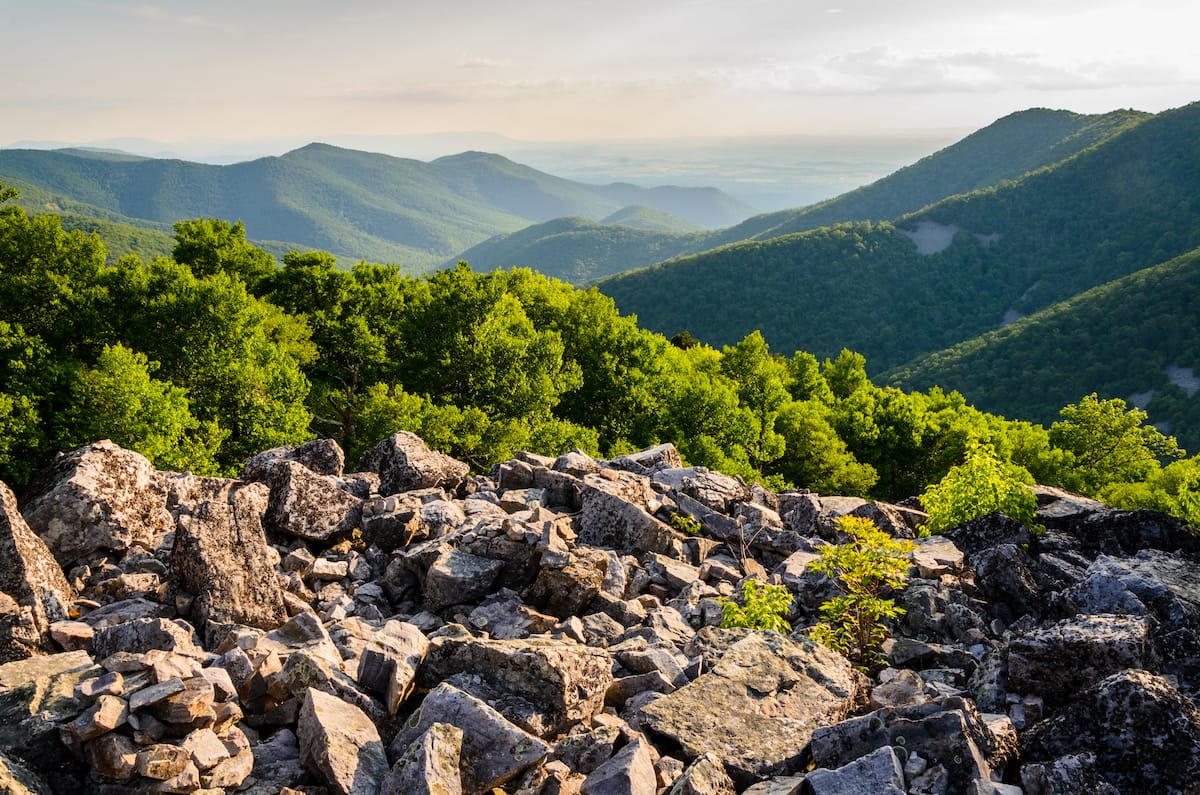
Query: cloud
point(480, 62)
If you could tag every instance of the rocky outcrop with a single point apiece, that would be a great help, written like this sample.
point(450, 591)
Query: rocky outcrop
point(546, 628)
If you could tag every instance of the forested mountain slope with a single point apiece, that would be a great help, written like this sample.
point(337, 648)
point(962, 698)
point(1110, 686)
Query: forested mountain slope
point(1136, 338)
point(949, 272)
point(354, 204)
point(1004, 150)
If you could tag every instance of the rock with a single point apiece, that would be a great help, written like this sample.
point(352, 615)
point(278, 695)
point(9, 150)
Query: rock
point(493, 750)
point(36, 695)
point(321, 456)
point(1144, 734)
point(986, 532)
point(99, 499)
point(429, 766)
point(106, 714)
point(630, 772)
point(162, 762)
point(191, 706)
point(1096, 645)
point(877, 773)
point(392, 522)
point(563, 682)
point(143, 634)
point(896, 521)
point(614, 514)
point(112, 756)
point(405, 463)
point(935, 556)
point(16, 779)
point(307, 505)
point(276, 764)
point(663, 456)
point(388, 664)
point(457, 577)
point(759, 705)
point(341, 745)
point(220, 557)
point(1074, 774)
point(31, 576)
point(1004, 574)
point(705, 776)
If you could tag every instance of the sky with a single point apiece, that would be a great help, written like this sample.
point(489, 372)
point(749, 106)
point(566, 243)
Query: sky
point(81, 70)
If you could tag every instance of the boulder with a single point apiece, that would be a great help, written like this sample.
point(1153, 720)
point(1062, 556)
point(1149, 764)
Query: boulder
point(97, 500)
point(457, 577)
point(221, 558)
point(143, 634)
point(757, 708)
point(877, 773)
point(429, 766)
point(392, 522)
point(614, 514)
point(493, 750)
point(704, 776)
point(16, 779)
point(405, 463)
point(31, 576)
point(629, 772)
point(307, 505)
point(341, 745)
point(1143, 733)
point(322, 456)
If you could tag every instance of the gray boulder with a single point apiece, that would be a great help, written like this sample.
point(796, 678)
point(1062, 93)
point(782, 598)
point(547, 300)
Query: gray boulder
point(429, 766)
point(341, 744)
point(877, 773)
point(322, 456)
point(405, 463)
point(629, 772)
point(307, 505)
point(97, 500)
point(704, 776)
point(615, 515)
point(457, 577)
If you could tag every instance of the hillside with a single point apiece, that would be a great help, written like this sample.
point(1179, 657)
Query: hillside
point(1135, 338)
point(353, 204)
point(949, 272)
point(1004, 150)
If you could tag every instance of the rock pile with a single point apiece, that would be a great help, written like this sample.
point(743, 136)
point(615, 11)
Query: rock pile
point(546, 630)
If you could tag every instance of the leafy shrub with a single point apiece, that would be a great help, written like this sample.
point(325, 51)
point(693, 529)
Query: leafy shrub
point(763, 607)
point(863, 570)
point(981, 485)
point(685, 524)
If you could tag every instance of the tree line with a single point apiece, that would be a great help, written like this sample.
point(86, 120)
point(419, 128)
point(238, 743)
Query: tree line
point(204, 358)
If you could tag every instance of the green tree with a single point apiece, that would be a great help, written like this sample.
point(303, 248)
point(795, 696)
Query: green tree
point(981, 485)
point(816, 456)
point(761, 381)
point(863, 569)
point(764, 607)
point(210, 246)
point(1109, 443)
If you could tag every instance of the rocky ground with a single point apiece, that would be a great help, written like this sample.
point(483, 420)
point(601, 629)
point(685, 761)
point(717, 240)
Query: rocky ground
point(409, 628)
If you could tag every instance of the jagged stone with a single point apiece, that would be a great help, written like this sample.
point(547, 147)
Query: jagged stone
point(630, 772)
point(393, 522)
point(340, 743)
point(894, 520)
point(99, 499)
point(220, 557)
point(565, 682)
point(935, 556)
point(1074, 774)
point(567, 590)
point(429, 766)
point(456, 577)
point(614, 514)
point(106, 714)
point(1096, 646)
point(877, 773)
point(143, 634)
point(321, 456)
point(987, 531)
point(112, 756)
point(493, 750)
point(16, 779)
point(307, 505)
point(405, 463)
point(1144, 734)
point(757, 708)
point(276, 764)
point(705, 776)
point(191, 706)
point(36, 695)
point(31, 576)
point(1004, 575)
point(388, 664)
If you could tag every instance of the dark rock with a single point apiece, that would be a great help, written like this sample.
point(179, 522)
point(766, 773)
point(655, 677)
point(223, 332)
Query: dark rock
point(705, 776)
point(986, 532)
point(405, 463)
point(630, 772)
point(877, 773)
point(614, 514)
point(429, 766)
point(307, 505)
point(342, 745)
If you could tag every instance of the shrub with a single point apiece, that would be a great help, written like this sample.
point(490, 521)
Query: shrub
point(863, 570)
point(763, 607)
point(685, 524)
point(981, 485)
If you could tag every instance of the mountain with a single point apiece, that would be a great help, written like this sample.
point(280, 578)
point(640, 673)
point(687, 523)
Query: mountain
point(353, 204)
point(1135, 338)
point(651, 219)
point(1004, 150)
point(933, 278)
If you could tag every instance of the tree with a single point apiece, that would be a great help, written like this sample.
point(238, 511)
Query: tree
point(1109, 443)
point(210, 246)
point(981, 485)
point(816, 456)
point(761, 381)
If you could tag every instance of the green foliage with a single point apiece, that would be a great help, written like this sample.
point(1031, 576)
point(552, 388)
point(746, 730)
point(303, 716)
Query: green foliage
point(1174, 489)
point(685, 524)
point(865, 568)
point(764, 607)
point(981, 485)
point(210, 246)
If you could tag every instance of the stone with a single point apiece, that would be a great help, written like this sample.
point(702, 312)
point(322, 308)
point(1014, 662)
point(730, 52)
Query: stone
point(229, 774)
point(987, 531)
point(388, 664)
point(162, 762)
point(614, 514)
point(16, 779)
point(1096, 645)
point(31, 576)
point(493, 751)
point(309, 506)
point(757, 707)
point(393, 522)
point(429, 766)
point(72, 635)
point(877, 773)
point(1004, 575)
point(405, 463)
point(152, 694)
point(321, 456)
point(630, 772)
point(704, 776)
point(220, 557)
point(935, 556)
point(106, 714)
point(112, 756)
point(339, 743)
point(143, 634)
point(191, 706)
point(564, 681)
point(206, 748)
point(36, 695)
point(456, 577)
point(1143, 733)
point(1073, 774)
point(276, 764)
point(96, 500)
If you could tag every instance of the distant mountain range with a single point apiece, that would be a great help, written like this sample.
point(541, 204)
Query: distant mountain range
point(354, 204)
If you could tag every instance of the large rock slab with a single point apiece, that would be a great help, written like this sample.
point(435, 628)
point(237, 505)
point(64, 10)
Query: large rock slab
point(614, 514)
point(759, 705)
point(456, 577)
point(493, 750)
point(564, 682)
point(220, 557)
point(96, 500)
point(430, 764)
point(341, 744)
point(405, 463)
point(629, 772)
point(307, 505)
point(31, 576)
point(1143, 733)
point(877, 773)
point(322, 456)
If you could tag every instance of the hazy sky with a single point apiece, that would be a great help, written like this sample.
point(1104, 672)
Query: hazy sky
point(86, 70)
